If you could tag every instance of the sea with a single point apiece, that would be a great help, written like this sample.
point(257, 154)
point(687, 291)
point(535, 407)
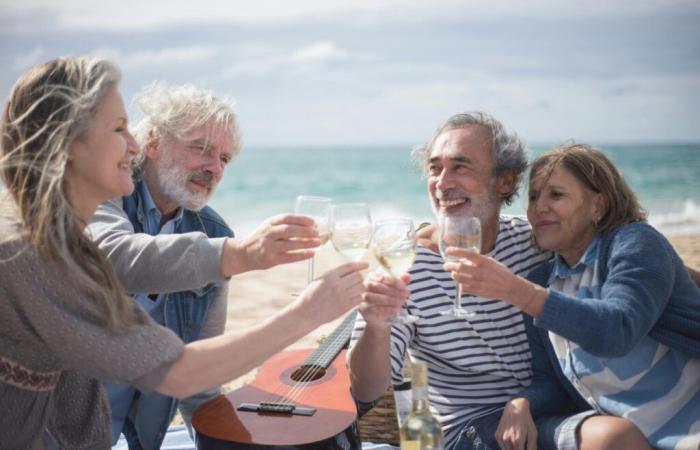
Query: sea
point(264, 181)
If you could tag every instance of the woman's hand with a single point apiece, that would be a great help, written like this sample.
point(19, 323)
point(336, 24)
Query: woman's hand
point(517, 430)
point(483, 276)
point(383, 298)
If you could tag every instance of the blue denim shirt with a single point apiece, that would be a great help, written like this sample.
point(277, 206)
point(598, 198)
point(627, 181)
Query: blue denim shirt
point(183, 312)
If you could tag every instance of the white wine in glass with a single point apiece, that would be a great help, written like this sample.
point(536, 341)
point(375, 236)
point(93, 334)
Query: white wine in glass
point(352, 229)
point(319, 209)
point(394, 244)
point(462, 232)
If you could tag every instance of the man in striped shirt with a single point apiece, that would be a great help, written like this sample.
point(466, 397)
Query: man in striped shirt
point(476, 364)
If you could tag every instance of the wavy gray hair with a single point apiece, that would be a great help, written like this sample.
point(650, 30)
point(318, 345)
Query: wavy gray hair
point(51, 106)
point(508, 151)
point(173, 111)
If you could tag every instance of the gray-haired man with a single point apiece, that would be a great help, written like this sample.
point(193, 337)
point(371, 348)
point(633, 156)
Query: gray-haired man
point(476, 365)
point(174, 253)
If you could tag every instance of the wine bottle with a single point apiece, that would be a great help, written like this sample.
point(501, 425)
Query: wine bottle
point(421, 430)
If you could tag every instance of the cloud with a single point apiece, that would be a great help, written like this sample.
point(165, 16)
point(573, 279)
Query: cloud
point(267, 61)
point(338, 69)
point(176, 55)
point(157, 57)
point(135, 14)
point(316, 53)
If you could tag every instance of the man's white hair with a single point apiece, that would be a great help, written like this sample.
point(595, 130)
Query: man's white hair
point(174, 111)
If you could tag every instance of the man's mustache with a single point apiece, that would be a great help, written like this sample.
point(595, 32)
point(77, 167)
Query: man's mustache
point(451, 194)
point(202, 177)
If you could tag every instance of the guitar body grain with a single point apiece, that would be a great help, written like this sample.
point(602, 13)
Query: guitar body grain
point(220, 426)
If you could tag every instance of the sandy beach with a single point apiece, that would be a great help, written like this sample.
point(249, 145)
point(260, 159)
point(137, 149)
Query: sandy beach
point(256, 295)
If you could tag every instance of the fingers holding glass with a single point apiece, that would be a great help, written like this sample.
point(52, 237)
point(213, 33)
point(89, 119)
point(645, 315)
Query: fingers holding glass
point(394, 245)
point(319, 209)
point(462, 232)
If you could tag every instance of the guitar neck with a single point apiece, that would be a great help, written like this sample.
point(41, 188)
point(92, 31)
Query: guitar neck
point(333, 344)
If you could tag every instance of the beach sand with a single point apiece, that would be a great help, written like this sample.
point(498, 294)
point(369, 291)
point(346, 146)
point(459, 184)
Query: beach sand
point(256, 295)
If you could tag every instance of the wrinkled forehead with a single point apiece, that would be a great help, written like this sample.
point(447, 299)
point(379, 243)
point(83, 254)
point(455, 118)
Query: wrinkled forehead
point(471, 141)
point(216, 134)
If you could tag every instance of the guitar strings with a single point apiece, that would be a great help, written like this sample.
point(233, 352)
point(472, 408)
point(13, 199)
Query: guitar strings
point(287, 395)
point(336, 341)
point(310, 372)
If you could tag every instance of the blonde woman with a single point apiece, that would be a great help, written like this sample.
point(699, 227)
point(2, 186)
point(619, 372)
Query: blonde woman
point(65, 321)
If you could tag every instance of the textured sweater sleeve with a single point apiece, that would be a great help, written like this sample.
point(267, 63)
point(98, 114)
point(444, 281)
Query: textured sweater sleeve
point(155, 264)
point(49, 306)
point(640, 276)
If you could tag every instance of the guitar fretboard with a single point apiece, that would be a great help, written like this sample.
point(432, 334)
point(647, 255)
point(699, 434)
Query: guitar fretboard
point(333, 344)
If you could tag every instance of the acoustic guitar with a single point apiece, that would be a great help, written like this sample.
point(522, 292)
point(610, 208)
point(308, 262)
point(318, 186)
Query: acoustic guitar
point(300, 399)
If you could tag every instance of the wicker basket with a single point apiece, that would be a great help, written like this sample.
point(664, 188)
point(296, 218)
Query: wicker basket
point(379, 423)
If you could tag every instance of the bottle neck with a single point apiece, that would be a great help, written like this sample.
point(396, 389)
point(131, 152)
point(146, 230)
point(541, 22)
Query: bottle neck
point(420, 402)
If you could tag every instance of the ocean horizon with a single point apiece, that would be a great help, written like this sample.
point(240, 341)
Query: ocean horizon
point(264, 181)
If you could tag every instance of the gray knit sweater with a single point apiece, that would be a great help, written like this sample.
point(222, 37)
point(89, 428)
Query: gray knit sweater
point(53, 350)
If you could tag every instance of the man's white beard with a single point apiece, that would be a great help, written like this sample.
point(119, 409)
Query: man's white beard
point(172, 180)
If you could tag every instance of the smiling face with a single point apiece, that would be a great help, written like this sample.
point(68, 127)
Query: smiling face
point(99, 166)
point(184, 172)
point(460, 174)
point(563, 213)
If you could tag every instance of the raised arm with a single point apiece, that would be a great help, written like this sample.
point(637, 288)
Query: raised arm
point(176, 262)
point(163, 263)
point(233, 354)
point(641, 272)
point(369, 358)
point(150, 356)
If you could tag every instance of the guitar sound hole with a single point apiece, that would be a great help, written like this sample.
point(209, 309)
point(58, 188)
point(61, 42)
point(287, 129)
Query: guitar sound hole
point(308, 373)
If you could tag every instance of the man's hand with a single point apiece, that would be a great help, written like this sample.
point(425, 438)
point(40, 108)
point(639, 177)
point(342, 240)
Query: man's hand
point(383, 298)
point(517, 430)
point(281, 239)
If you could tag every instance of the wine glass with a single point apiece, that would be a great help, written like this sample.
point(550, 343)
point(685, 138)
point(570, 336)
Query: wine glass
point(462, 232)
point(352, 229)
point(319, 209)
point(394, 244)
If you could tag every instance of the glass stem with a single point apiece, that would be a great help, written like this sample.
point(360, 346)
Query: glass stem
point(311, 270)
point(458, 297)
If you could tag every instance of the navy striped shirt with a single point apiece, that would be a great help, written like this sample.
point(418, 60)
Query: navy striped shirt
point(475, 365)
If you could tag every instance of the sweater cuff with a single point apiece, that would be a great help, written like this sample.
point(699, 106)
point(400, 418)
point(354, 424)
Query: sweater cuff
point(556, 313)
point(210, 258)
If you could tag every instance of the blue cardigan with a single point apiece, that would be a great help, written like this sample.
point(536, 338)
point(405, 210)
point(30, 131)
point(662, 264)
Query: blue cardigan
point(647, 291)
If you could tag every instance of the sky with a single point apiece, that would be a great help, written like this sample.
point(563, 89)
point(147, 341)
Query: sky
point(387, 72)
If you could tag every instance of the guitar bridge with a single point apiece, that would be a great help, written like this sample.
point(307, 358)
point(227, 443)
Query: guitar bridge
point(276, 408)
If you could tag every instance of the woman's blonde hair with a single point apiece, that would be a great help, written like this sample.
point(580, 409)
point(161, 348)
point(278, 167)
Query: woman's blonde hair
point(595, 171)
point(50, 106)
